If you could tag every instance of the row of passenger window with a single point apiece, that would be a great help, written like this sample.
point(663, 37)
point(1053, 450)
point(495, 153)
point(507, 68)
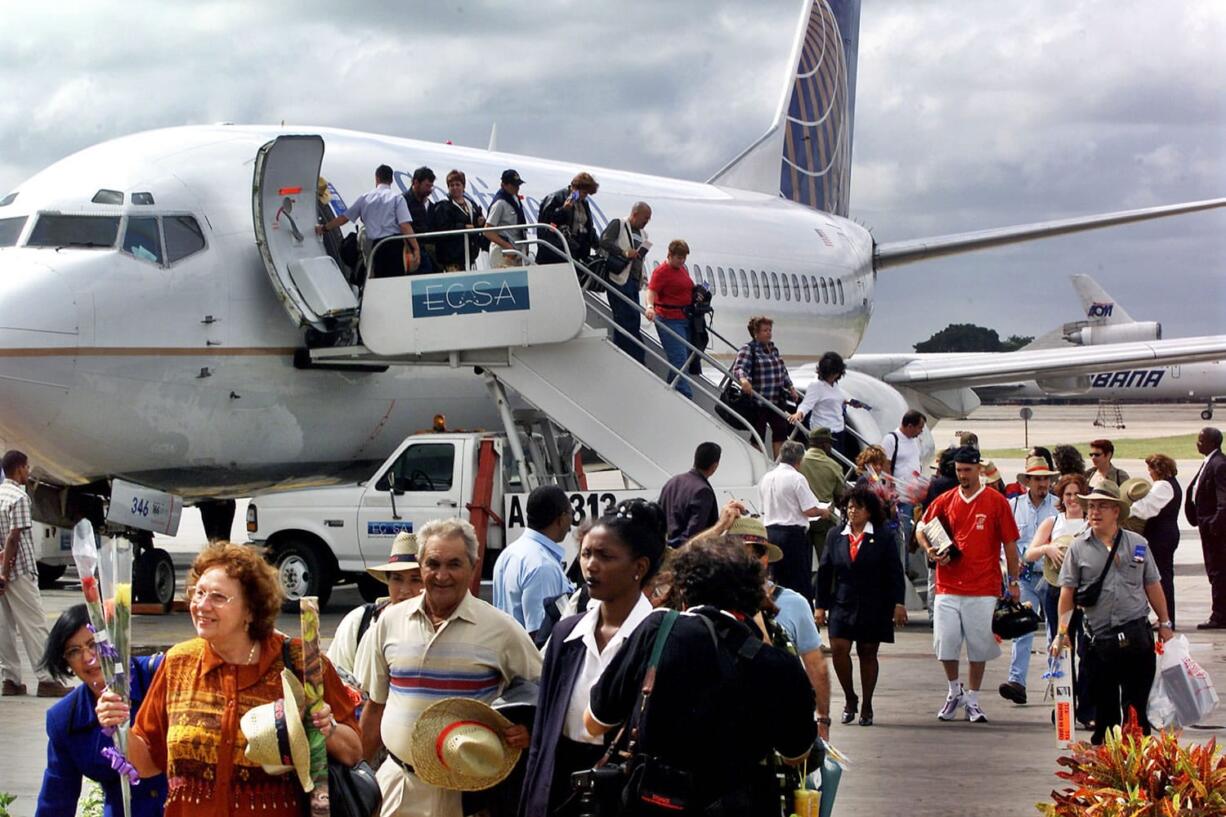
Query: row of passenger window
point(768, 285)
point(156, 239)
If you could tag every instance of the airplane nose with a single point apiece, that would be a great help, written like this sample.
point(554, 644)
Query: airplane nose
point(39, 339)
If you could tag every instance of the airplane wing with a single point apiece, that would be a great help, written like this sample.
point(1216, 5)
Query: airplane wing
point(958, 370)
point(894, 253)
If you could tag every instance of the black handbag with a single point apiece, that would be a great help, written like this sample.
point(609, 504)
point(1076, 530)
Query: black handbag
point(1012, 619)
point(353, 790)
point(1088, 596)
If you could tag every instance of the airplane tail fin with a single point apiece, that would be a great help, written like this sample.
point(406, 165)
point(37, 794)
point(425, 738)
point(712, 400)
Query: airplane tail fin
point(1099, 307)
point(805, 155)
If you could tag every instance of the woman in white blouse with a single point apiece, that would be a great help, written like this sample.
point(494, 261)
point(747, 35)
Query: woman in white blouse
point(1050, 542)
point(1160, 511)
point(825, 399)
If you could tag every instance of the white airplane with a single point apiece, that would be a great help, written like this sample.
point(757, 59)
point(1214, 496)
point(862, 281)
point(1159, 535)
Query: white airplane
point(1106, 321)
point(143, 308)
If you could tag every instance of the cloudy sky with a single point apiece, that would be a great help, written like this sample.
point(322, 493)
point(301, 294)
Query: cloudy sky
point(969, 115)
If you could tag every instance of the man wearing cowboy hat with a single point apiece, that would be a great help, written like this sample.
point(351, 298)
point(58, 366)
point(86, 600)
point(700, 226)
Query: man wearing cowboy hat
point(1120, 656)
point(444, 643)
point(402, 575)
point(1029, 511)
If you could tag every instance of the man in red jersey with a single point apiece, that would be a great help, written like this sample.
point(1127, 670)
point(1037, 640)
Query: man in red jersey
point(968, 581)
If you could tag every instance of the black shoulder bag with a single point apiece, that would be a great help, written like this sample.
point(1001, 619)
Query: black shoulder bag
point(625, 781)
point(353, 791)
point(1088, 596)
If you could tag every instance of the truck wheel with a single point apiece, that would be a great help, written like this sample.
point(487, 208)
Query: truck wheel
point(153, 578)
point(371, 588)
point(302, 572)
point(48, 575)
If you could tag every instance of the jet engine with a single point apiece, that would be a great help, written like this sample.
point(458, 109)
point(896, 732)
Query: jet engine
point(1137, 331)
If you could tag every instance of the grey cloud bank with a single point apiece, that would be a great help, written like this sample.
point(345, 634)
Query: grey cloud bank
point(968, 115)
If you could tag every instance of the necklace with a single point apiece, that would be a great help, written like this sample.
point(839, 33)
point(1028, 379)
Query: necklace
point(251, 654)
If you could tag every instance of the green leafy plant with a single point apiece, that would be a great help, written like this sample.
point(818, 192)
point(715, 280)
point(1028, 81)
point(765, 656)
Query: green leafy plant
point(5, 800)
point(92, 801)
point(1131, 775)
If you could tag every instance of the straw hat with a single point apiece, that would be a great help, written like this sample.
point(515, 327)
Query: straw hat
point(751, 529)
point(276, 737)
point(1108, 490)
point(1050, 572)
point(457, 744)
point(404, 557)
point(1135, 489)
point(1037, 467)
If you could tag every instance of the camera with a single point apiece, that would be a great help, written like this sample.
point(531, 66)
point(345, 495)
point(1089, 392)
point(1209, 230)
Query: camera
point(598, 790)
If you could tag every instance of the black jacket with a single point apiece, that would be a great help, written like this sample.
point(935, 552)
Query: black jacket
point(859, 596)
point(446, 215)
point(581, 241)
point(1205, 504)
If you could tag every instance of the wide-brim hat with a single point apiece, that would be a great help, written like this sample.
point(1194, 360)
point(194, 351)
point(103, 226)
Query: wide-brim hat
point(1037, 467)
point(404, 557)
point(457, 744)
point(821, 434)
point(1134, 489)
point(1107, 490)
point(1050, 572)
point(751, 529)
point(276, 736)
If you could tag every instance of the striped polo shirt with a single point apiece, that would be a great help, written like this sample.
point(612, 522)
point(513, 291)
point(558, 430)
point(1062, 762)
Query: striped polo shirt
point(476, 653)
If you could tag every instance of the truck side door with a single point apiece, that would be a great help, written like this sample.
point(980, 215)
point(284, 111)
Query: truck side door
point(424, 480)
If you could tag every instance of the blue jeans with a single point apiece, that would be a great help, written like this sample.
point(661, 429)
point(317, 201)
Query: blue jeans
point(1020, 661)
point(627, 317)
point(677, 352)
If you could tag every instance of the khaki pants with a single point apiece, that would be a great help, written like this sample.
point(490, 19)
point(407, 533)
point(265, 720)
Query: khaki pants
point(404, 795)
point(21, 613)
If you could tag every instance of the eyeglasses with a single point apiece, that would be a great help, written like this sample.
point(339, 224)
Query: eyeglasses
point(215, 599)
point(1094, 454)
point(75, 653)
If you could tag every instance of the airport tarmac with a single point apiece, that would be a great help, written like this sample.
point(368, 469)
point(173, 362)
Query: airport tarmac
point(909, 763)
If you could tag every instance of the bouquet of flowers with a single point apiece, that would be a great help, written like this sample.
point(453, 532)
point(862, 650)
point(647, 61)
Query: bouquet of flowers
point(108, 599)
point(313, 685)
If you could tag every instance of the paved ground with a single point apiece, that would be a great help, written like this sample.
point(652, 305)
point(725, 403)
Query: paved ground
point(909, 763)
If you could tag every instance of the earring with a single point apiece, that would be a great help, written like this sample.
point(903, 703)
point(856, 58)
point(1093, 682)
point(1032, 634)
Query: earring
point(636, 577)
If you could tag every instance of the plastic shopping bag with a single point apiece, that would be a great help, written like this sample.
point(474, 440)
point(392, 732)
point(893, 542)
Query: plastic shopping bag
point(1160, 709)
point(1185, 683)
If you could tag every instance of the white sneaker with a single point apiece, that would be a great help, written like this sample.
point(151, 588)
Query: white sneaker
point(952, 702)
point(974, 713)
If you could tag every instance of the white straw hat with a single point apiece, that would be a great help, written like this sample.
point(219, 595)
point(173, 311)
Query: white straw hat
point(404, 557)
point(276, 737)
point(457, 744)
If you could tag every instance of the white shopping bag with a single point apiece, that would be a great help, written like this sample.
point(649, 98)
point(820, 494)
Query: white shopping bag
point(1185, 683)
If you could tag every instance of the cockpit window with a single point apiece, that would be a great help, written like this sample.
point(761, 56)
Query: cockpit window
point(10, 229)
point(142, 198)
point(183, 237)
point(74, 231)
point(7, 200)
point(141, 240)
point(107, 197)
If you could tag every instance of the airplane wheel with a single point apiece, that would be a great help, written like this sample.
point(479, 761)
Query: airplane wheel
point(153, 578)
point(48, 575)
point(302, 572)
point(1207, 414)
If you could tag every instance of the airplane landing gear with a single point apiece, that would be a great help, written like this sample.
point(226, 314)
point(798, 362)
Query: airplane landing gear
point(153, 572)
point(1207, 414)
point(218, 518)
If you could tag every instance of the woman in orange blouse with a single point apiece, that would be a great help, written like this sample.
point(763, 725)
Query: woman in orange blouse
point(188, 725)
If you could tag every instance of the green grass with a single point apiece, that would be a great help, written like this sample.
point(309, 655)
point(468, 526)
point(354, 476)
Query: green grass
point(1179, 447)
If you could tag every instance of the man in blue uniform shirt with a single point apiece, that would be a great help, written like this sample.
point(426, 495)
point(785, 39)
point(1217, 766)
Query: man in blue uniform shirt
point(531, 569)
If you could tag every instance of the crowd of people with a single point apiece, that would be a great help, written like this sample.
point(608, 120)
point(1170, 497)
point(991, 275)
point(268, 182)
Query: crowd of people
point(515, 707)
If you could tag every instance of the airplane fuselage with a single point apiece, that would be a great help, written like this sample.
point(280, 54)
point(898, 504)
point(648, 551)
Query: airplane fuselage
point(181, 375)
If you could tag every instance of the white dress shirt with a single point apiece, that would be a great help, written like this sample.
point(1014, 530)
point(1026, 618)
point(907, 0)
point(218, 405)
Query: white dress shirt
point(594, 663)
point(826, 403)
point(1159, 495)
point(382, 210)
point(786, 495)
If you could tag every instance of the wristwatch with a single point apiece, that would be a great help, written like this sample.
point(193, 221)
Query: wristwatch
point(1170, 625)
point(824, 720)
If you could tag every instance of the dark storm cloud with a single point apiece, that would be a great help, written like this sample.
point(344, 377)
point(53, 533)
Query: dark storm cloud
point(969, 115)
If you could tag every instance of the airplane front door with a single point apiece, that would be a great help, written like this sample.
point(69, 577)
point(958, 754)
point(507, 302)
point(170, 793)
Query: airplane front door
point(306, 279)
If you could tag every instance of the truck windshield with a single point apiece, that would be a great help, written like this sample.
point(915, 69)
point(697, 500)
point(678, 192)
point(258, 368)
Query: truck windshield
point(74, 231)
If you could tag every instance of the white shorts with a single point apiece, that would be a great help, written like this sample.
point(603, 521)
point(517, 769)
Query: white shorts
point(956, 619)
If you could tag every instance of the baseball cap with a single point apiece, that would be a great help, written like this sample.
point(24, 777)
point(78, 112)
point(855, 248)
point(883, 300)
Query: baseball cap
point(511, 177)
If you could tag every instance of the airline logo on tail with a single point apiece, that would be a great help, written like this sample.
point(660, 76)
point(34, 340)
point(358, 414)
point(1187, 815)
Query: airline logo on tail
point(1100, 310)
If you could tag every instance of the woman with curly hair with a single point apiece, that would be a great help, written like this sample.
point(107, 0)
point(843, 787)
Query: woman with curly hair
point(1160, 510)
point(1067, 460)
point(188, 724)
point(722, 700)
point(860, 596)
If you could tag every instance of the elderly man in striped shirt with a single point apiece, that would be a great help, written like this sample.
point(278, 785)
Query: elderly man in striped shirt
point(441, 644)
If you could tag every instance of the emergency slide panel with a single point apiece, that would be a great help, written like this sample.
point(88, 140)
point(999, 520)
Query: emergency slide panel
point(625, 412)
point(462, 311)
point(306, 279)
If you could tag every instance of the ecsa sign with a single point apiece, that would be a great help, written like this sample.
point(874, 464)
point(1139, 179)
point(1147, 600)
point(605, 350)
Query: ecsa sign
point(493, 291)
